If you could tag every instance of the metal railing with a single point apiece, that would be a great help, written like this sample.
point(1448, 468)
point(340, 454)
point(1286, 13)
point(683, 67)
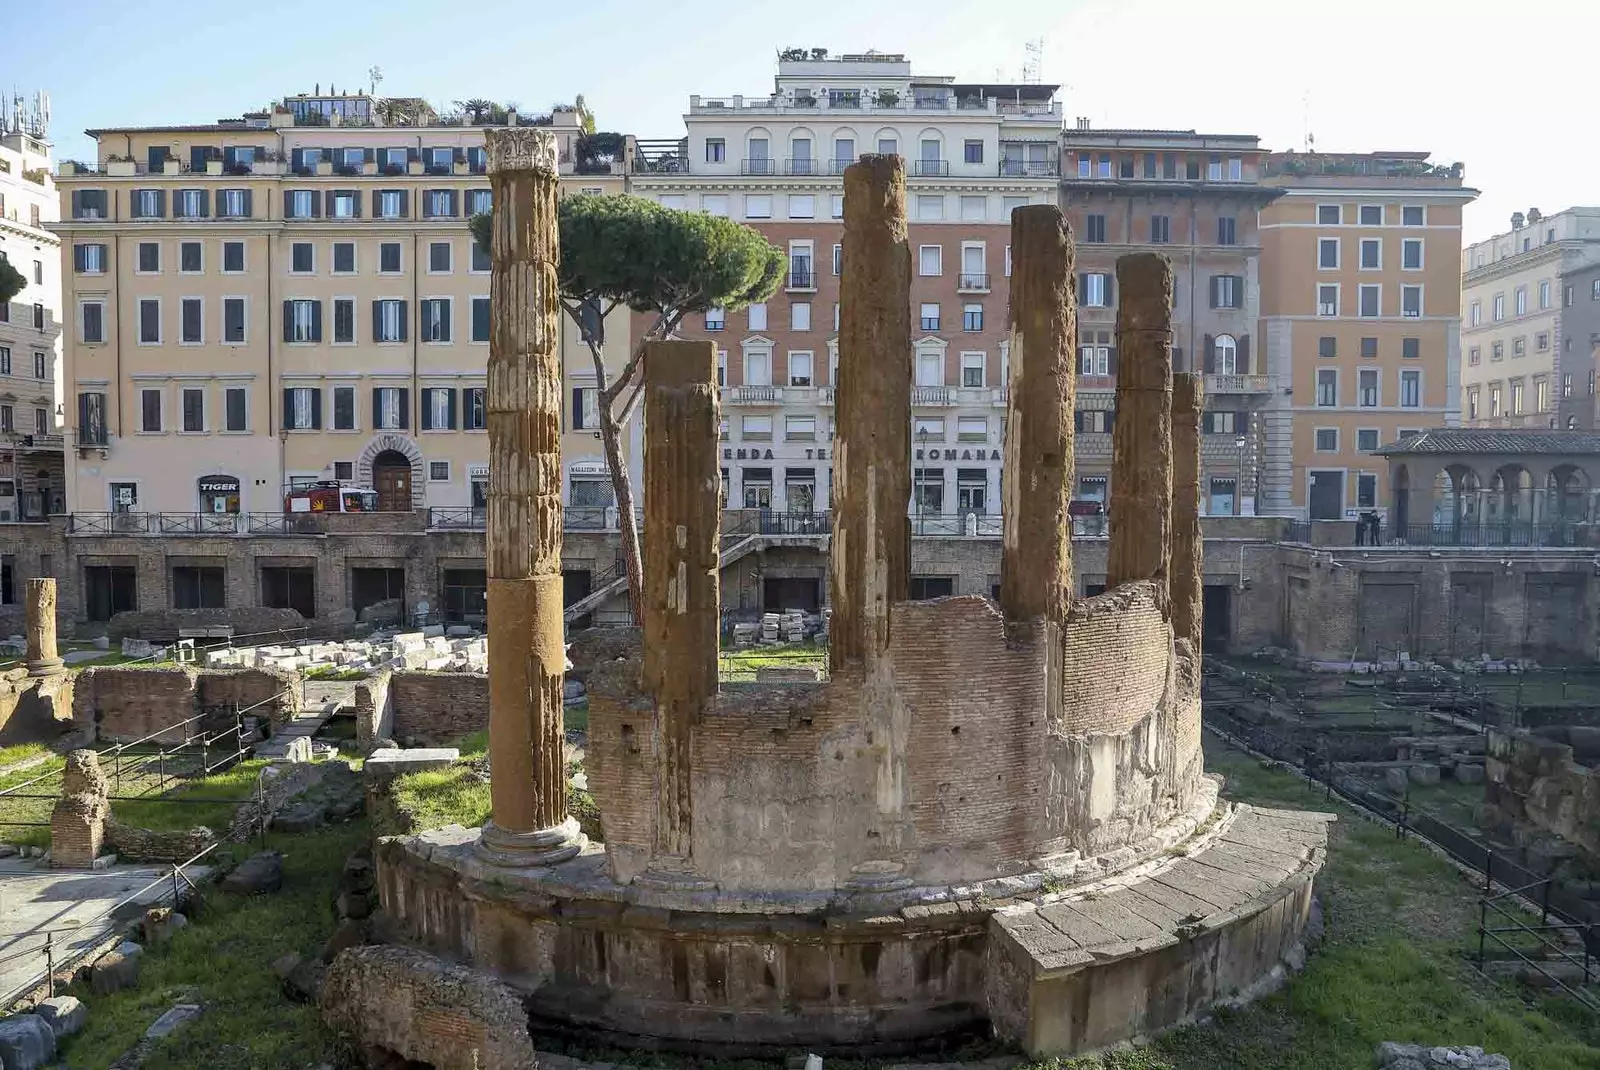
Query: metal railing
point(108, 523)
point(802, 280)
point(1028, 168)
point(973, 281)
point(758, 167)
point(1238, 384)
point(465, 518)
point(930, 168)
point(933, 395)
point(801, 165)
point(957, 525)
point(197, 523)
point(590, 518)
point(1513, 533)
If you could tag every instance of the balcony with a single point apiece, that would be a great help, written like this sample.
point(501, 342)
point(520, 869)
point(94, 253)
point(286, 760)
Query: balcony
point(457, 518)
point(973, 282)
point(803, 165)
point(1029, 168)
point(1000, 397)
point(930, 168)
point(825, 395)
point(957, 525)
point(1238, 384)
point(758, 167)
point(882, 102)
point(802, 279)
point(755, 395)
point(837, 167)
point(933, 395)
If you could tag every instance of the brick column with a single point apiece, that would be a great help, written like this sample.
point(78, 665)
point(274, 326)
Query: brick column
point(1141, 441)
point(527, 650)
point(1188, 545)
point(41, 628)
point(681, 545)
point(1036, 555)
point(869, 566)
point(78, 820)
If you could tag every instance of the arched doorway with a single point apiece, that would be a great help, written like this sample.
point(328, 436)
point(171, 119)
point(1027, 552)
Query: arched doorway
point(1511, 495)
point(391, 478)
point(1567, 495)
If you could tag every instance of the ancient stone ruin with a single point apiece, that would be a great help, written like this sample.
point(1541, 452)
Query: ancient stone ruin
point(992, 815)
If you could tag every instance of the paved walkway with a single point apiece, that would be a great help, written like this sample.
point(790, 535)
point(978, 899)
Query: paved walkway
point(35, 897)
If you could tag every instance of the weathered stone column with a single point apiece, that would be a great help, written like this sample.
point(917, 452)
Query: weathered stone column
point(869, 566)
point(527, 650)
point(41, 628)
point(78, 820)
point(1141, 441)
point(1036, 556)
point(1188, 545)
point(681, 545)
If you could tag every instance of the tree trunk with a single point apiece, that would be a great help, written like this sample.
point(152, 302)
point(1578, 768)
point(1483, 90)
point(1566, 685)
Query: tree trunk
point(632, 559)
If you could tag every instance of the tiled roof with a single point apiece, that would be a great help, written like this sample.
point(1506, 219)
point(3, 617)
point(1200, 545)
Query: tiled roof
point(1495, 440)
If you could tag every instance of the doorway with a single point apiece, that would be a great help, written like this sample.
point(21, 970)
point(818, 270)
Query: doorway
point(369, 586)
point(290, 588)
point(925, 587)
point(779, 593)
point(1326, 499)
point(466, 596)
point(576, 585)
point(1217, 616)
point(109, 590)
point(391, 478)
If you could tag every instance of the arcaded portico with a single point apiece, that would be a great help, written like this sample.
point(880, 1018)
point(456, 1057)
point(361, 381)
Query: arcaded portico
point(1520, 486)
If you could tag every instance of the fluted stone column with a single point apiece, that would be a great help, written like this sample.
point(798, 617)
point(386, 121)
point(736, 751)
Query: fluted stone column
point(40, 625)
point(682, 498)
point(1188, 544)
point(1036, 554)
point(869, 565)
point(1141, 441)
point(527, 649)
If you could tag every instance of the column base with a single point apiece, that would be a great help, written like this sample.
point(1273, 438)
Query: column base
point(878, 876)
point(672, 874)
point(542, 847)
point(47, 667)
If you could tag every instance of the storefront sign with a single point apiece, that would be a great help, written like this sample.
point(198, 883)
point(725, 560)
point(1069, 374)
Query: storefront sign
point(219, 485)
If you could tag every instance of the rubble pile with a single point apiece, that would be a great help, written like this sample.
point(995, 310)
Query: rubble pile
point(777, 629)
point(434, 649)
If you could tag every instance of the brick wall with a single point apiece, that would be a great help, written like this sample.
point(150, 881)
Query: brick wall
point(124, 704)
point(1533, 782)
point(374, 709)
point(437, 708)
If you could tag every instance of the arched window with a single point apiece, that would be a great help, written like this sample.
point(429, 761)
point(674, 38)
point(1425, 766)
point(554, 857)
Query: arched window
point(1572, 423)
point(1226, 361)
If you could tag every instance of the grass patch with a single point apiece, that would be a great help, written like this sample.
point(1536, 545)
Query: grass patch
point(742, 664)
point(224, 961)
point(29, 810)
point(10, 756)
point(454, 795)
point(232, 787)
point(1393, 966)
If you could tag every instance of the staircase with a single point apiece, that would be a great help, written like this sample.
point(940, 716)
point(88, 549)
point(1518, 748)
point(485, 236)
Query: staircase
point(618, 583)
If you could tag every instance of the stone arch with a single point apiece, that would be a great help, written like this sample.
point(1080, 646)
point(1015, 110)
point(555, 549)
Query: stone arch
point(1457, 496)
point(1567, 491)
point(887, 133)
point(401, 444)
point(1511, 494)
point(843, 132)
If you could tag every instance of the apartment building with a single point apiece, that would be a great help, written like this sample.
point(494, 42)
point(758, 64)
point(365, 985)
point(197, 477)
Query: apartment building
point(288, 297)
point(32, 482)
point(1527, 331)
point(974, 152)
point(1194, 198)
point(1360, 313)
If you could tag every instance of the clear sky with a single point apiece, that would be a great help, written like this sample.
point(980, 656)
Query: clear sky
point(1500, 87)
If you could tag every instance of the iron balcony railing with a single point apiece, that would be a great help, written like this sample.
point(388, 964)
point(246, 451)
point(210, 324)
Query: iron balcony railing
point(966, 524)
point(930, 168)
point(802, 165)
point(1512, 533)
point(933, 395)
point(1238, 384)
point(973, 281)
point(1028, 168)
point(108, 523)
point(802, 280)
point(197, 523)
point(759, 167)
point(465, 517)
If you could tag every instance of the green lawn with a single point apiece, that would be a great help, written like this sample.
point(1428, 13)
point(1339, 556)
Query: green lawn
point(733, 665)
point(234, 785)
point(1394, 966)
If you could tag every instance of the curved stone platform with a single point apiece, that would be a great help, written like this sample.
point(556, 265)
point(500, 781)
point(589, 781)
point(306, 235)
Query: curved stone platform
point(741, 972)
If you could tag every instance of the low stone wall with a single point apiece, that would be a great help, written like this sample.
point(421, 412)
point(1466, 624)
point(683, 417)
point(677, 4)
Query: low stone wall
point(435, 708)
point(34, 710)
point(1534, 782)
point(123, 703)
point(374, 710)
point(164, 624)
point(133, 844)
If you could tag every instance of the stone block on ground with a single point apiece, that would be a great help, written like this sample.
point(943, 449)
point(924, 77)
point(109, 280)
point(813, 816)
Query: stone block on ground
point(26, 1042)
point(386, 763)
point(113, 973)
point(1469, 774)
point(172, 1021)
point(160, 923)
point(1393, 1056)
point(1395, 781)
point(352, 932)
point(64, 1015)
point(1424, 773)
point(259, 873)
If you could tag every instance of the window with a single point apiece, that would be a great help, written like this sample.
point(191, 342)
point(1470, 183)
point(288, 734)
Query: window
point(972, 151)
point(1225, 355)
point(437, 203)
point(343, 205)
point(1371, 254)
point(930, 316)
point(92, 418)
point(438, 471)
point(93, 323)
point(1094, 356)
point(438, 258)
point(1541, 341)
point(1544, 293)
point(802, 206)
point(716, 319)
point(1094, 229)
point(39, 366)
point(344, 320)
point(1411, 349)
point(1371, 215)
point(758, 316)
point(1371, 300)
point(1500, 307)
point(1328, 215)
point(1096, 289)
point(930, 367)
point(716, 150)
point(1009, 205)
point(1516, 397)
point(190, 315)
point(973, 209)
point(1522, 300)
point(88, 204)
point(190, 257)
point(1411, 257)
point(149, 321)
point(1367, 388)
point(760, 153)
point(474, 409)
point(1098, 421)
point(1475, 355)
point(1497, 351)
point(1519, 347)
point(1410, 389)
point(1566, 385)
point(150, 411)
point(930, 260)
point(232, 257)
point(233, 203)
point(1160, 229)
point(194, 587)
point(148, 204)
point(481, 262)
point(1367, 439)
point(800, 316)
point(1328, 253)
point(234, 408)
point(1472, 403)
point(1494, 402)
point(194, 409)
point(972, 369)
point(149, 262)
point(1369, 348)
point(1227, 291)
point(390, 204)
point(757, 367)
point(389, 405)
point(302, 259)
point(89, 259)
point(888, 146)
point(800, 428)
point(1327, 440)
point(1227, 232)
point(1541, 395)
point(799, 368)
point(1411, 301)
point(585, 408)
point(1214, 169)
point(1327, 388)
point(972, 429)
point(757, 206)
point(1475, 313)
point(838, 259)
point(972, 318)
point(299, 204)
point(930, 207)
point(756, 428)
point(836, 206)
point(389, 258)
point(302, 321)
point(1413, 215)
point(438, 409)
point(344, 408)
point(1366, 489)
point(344, 257)
point(928, 428)
point(233, 320)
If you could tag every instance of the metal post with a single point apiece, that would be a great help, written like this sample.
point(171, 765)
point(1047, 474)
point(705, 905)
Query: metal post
point(50, 964)
point(261, 808)
point(176, 899)
point(1544, 902)
point(1483, 924)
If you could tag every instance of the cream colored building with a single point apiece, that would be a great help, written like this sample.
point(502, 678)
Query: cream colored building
point(1525, 329)
point(31, 478)
point(1360, 315)
point(289, 297)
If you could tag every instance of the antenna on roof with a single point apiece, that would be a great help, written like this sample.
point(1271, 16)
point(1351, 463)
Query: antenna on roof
point(375, 76)
point(1034, 51)
point(1310, 143)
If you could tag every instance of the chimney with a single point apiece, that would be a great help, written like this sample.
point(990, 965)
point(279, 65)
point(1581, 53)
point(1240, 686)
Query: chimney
point(1083, 122)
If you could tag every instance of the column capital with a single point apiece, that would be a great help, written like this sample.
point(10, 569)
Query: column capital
point(520, 148)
